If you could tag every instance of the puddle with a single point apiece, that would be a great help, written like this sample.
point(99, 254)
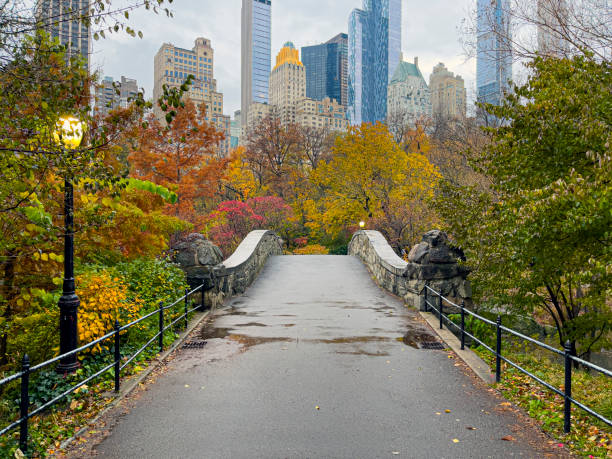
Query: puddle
point(249, 341)
point(252, 324)
point(362, 352)
point(213, 333)
point(351, 340)
point(414, 337)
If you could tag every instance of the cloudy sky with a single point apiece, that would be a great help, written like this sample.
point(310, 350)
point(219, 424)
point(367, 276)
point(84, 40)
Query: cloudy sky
point(429, 31)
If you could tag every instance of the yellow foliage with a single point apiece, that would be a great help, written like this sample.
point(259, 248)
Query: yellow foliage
point(239, 178)
point(312, 249)
point(103, 300)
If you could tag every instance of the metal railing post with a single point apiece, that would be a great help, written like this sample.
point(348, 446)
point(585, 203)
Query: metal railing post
point(117, 357)
point(24, 404)
point(440, 309)
point(426, 304)
point(567, 411)
point(202, 300)
point(161, 326)
point(498, 347)
point(462, 325)
point(186, 308)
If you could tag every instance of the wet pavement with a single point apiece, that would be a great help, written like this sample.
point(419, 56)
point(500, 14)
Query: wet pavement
point(316, 361)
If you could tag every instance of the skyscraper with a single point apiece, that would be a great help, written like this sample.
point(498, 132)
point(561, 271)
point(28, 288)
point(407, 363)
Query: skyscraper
point(255, 53)
point(552, 17)
point(447, 93)
point(172, 67)
point(287, 83)
point(61, 19)
point(326, 69)
point(374, 49)
point(111, 95)
point(494, 53)
point(407, 93)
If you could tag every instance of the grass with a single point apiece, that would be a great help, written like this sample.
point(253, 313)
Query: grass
point(588, 437)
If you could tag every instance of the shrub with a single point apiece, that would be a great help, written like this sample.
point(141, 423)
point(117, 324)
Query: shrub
point(312, 249)
point(104, 299)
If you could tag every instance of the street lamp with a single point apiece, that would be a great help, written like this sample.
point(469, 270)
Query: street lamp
point(362, 224)
point(68, 133)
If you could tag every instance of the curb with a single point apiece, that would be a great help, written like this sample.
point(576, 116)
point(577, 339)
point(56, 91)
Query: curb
point(478, 366)
point(132, 383)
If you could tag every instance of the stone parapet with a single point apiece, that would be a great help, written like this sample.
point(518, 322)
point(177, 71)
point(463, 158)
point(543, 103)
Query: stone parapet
point(236, 273)
point(432, 262)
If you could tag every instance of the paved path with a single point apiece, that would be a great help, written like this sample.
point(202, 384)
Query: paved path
point(317, 332)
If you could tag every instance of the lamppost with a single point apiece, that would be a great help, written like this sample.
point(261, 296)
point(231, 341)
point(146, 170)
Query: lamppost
point(69, 134)
point(362, 224)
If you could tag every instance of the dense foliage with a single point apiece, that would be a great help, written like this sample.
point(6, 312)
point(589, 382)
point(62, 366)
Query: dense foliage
point(538, 239)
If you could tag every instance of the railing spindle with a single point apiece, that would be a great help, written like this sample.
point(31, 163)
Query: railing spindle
point(498, 350)
point(161, 326)
point(117, 357)
point(24, 404)
point(567, 410)
point(462, 325)
point(186, 308)
point(440, 310)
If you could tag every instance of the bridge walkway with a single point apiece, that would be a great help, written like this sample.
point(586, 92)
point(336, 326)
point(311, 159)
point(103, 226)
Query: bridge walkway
point(316, 361)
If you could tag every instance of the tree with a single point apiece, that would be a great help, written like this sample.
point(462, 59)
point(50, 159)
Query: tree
point(538, 240)
point(270, 149)
point(183, 157)
point(370, 178)
point(314, 144)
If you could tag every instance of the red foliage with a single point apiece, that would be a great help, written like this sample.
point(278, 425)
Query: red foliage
point(231, 221)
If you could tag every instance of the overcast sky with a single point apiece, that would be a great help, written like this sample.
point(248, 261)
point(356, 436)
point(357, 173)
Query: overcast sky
point(429, 31)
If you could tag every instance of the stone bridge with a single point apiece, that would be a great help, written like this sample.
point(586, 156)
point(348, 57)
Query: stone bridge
point(307, 357)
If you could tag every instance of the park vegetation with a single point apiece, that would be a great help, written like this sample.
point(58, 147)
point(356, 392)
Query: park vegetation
point(526, 198)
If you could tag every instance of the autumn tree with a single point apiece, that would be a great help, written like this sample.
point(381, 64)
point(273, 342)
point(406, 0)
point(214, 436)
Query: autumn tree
point(369, 177)
point(538, 238)
point(270, 149)
point(181, 156)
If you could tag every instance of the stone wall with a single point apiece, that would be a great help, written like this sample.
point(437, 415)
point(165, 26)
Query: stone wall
point(236, 273)
point(432, 262)
point(202, 262)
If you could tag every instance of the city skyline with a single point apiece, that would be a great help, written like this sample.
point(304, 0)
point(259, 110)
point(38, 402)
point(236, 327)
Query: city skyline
point(291, 21)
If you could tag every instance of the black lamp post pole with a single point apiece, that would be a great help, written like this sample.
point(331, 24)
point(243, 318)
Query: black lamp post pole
point(69, 302)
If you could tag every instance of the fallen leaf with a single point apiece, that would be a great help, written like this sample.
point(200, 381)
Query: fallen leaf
point(438, 414)
point(74, 405)
point(505, 404)
point(186, 385)
point(317, 407)
point(19, 454)
point(470, 428)
point(455, 440)
point(508, 438)
point(447, 411)
point(395, 453)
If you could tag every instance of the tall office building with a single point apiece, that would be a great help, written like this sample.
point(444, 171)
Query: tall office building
point(408, 94)
point(235, 129)
point(374, 48)
point(255, 53)
point(448, 97)
point(111, 94)
point(552, 16)
point(494, 52)
point(326, 69)
point(61, 20)
point(287, 83)
point(172, 67)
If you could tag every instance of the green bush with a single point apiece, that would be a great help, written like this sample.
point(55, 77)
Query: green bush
point(153, 280)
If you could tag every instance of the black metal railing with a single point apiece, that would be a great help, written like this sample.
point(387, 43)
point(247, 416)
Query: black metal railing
point(566, 353)
point(26, 370)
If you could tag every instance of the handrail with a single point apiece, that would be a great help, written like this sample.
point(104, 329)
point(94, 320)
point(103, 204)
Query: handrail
point(24, 374)
point(566, 353)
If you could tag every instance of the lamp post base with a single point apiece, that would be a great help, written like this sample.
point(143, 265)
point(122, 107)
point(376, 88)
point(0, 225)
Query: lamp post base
point(68, 305)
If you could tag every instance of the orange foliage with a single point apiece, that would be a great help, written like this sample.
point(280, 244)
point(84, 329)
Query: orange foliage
point(182, 157)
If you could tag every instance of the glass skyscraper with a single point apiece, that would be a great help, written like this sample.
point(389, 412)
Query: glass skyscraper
point(374, 49)
point(326, 69)
point(63, 20)
point(256, 52)
point(494, 54)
